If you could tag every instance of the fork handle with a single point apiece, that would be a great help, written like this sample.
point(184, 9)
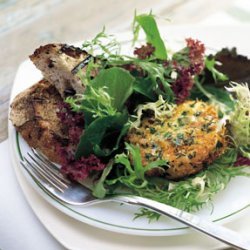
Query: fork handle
point(216, 231)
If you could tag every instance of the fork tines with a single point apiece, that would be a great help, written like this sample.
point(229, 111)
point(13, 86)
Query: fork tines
point(41, 169)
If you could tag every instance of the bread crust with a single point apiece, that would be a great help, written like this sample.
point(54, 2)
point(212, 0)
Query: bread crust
point(34, 115)
point(59, 64)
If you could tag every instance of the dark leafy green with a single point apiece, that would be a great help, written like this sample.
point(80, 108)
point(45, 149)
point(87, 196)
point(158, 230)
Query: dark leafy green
point(105, 114)
point(159, 83)
point(145, 87)
point(210, 64)
point(221, 95)
point(131, 175)
point(118, 84)
point(209, 92)
point(148, 24)
point(190, 194)
point(92, 139)
point(122, 83)
point(98, 189)
point(153, 82)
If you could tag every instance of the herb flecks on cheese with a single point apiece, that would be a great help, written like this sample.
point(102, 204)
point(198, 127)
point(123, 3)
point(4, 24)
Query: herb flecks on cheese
point(188, 139)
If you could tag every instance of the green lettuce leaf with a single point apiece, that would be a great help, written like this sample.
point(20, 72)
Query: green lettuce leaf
point(118, 83)
point(106, 94)
point(99, 189)
point(210, 64)
point(148, 24)
point(104, 112)
point(97, 133)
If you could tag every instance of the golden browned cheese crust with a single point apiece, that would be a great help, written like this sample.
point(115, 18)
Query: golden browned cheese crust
point(34, 115)
point(188, 140)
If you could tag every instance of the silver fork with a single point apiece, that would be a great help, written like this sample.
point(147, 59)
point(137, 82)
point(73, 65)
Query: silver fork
point(47, 175)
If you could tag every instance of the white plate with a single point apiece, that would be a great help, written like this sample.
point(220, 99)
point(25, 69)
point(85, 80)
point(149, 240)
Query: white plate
point(228, 205)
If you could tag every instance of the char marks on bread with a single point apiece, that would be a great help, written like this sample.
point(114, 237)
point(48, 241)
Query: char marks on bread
point(34, 115)
point(58, 64)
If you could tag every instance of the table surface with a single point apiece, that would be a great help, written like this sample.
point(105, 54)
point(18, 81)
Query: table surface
point(26, 24)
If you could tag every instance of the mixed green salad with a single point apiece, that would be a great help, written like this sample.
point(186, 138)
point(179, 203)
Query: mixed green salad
point(122, 90)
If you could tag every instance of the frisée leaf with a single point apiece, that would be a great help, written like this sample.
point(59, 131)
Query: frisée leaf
point(118, 83)
point(121, 90)
point(240, 117)
point(210, 64)
point(105, 115)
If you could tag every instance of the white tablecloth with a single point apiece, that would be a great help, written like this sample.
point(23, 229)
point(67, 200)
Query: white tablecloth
point(19, 227)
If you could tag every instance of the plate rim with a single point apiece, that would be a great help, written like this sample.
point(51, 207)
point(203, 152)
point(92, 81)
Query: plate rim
point(240, 210)
point(184, 229)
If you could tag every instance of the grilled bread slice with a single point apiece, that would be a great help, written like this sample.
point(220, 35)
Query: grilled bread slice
point(59, 64)
point(34, 115)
